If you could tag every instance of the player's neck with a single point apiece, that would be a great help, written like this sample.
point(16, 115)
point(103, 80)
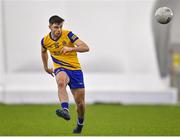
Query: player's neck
point(54, 37)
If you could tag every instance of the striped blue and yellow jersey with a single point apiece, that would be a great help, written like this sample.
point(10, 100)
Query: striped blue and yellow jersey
point(68, 61)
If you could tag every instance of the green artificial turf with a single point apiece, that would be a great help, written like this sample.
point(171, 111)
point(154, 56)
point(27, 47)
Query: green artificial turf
point(101, 119)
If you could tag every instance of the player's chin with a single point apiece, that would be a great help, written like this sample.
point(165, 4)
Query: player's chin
point(57, 34)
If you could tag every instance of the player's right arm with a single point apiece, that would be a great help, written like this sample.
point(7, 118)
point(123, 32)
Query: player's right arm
point(44, 56)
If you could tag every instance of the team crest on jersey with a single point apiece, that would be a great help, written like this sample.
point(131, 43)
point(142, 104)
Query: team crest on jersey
point(64, 43)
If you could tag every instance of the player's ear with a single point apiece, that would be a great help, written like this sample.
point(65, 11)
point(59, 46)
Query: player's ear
point(49, 26)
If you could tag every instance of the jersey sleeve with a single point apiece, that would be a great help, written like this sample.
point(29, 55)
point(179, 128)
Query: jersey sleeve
point(72, 37)
point(42, 43)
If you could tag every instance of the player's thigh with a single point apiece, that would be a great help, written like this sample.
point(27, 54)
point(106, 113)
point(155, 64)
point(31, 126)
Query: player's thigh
point(62, 77)
point(79, 94)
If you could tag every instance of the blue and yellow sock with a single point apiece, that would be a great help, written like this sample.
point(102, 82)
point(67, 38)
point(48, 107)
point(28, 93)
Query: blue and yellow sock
point(65, 106)
point(80, 121)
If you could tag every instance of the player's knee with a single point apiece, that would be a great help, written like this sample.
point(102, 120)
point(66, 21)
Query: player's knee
point(61, 84)
point(80, 104)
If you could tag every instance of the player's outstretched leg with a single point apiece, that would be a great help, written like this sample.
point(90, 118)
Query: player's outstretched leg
point(62, 81)
point(63, 113)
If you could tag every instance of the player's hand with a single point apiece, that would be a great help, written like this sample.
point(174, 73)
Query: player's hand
point(65, 50)
point(49, 71)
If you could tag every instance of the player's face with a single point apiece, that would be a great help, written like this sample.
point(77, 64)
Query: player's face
point(56, 29)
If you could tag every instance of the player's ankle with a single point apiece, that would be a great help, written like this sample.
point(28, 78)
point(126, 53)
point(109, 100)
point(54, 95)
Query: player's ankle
point(80, 121)
point(65, 106)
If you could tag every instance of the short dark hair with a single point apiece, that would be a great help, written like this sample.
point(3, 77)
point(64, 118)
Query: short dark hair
point(55, 19)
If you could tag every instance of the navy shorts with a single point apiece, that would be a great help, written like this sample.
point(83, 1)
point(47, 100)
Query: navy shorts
point(75, 77)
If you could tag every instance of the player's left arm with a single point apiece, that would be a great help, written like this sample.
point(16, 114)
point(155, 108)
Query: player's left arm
point(80, 46)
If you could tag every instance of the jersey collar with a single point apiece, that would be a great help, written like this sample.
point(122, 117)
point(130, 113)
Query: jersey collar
point(54, 39)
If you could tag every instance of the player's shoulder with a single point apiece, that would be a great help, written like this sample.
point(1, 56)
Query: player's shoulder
point(69, 34)
point(45, 39)
point(46, 36)
point(66, 31)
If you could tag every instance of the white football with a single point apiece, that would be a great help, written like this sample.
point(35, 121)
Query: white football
point(164, 15)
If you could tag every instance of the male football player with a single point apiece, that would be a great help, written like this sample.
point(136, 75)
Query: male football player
point(63, 46)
